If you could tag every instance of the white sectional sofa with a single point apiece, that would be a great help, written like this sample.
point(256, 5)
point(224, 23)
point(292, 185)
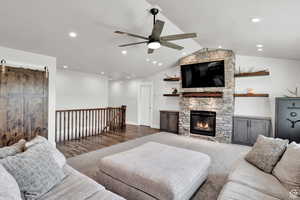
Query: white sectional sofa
point(77, 186)
point(246, 182)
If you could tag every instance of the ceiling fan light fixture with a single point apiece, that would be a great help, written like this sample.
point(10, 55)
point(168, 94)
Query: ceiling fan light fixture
point(154, 45)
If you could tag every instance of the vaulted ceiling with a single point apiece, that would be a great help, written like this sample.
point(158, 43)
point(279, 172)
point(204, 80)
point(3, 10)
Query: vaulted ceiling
point(43, 27)
point(227, 23)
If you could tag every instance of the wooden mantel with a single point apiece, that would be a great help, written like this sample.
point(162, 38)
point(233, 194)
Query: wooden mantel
point(203, 94)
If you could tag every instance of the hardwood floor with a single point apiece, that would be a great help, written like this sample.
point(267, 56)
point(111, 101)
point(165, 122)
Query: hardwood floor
point(92, 143)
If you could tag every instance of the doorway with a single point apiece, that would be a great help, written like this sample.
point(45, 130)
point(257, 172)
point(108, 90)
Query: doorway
point(145, 104)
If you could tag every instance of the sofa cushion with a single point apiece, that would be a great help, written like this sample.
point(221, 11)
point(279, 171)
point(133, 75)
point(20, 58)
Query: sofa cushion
point(35, 171)
point(105, 195)
point(250, 176)
point(162, 171)
point(9, 189)
point(287, 169)
point(77, 186)
point(266, 152)
point(237, 191)
point(13, 149)
point(58, 156)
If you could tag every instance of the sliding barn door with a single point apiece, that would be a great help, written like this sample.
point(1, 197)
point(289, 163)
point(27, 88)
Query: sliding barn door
point(23, 104)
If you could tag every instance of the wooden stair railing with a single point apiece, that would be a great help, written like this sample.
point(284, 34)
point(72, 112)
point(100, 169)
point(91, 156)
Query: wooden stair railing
point(116, 119)
point(81, 123)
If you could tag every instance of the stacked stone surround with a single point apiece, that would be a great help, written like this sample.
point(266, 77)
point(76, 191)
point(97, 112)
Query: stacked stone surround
point(224, 107)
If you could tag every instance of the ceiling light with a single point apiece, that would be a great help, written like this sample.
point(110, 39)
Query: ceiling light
point(160, 64)
point(255, 20)
point(154, 62)
point(259, 46)
point(148, 59)
point(73, 34)
point(259, 49)
point(183, 53)
point(220, 47)
point(124, 52)
point(65, 67)
point(102, 73)
point(154, 45)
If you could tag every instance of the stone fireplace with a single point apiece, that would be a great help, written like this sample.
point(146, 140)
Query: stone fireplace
point(219, 110)
point(203, 123)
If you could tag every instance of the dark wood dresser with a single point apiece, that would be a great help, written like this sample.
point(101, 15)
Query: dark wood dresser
point(169, 121)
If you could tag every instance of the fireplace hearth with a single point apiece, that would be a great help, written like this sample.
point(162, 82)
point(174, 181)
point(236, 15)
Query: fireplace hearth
point(203, 123)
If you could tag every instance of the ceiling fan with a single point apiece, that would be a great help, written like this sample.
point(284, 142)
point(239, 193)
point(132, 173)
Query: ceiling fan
point(155, 41)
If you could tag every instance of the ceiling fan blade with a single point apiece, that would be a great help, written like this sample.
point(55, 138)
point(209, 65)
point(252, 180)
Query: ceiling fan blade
point(171, 45)
point(150, 51)
point(157, 29)
point(131, 44)
point(132, 35)
point(179, 36)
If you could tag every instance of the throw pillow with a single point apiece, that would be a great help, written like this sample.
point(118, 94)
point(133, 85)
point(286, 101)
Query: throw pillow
point(35, 171)
point(58, 156)
point(287, 169)
point(9, 189)
point(13, 149)
point(266, 152)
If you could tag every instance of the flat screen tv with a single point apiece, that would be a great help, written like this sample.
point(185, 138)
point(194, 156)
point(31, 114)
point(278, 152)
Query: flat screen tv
point(208, 74)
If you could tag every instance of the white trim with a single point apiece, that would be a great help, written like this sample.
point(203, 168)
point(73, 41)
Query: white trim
point(150, 83)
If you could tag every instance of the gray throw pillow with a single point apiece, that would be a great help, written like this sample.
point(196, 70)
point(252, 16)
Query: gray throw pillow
point(35, 171)
point(13, 149)
point(58, 156)
point(266, 152)
point(9, 189)
point(287, 169)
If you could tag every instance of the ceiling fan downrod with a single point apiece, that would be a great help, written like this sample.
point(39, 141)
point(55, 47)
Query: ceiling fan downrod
point(154, 12)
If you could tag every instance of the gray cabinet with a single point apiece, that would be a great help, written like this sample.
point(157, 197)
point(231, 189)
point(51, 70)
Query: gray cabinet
point(169, 121)
point(247, 129)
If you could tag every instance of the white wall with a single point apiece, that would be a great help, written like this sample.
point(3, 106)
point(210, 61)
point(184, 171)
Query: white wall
point(24, 59)
point(77, 90)
point(125, 93)
point(284, 74)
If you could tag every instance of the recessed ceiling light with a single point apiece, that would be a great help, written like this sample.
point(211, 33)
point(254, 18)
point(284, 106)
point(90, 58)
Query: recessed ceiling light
point(73, 34)
point(259, 46)
point(255, 20)
point(220, 47)
point(102, 73)
point(65, 67)
point(154, 62)
point(183, 53)
point(124, 52)
point(259, 49)
point(160, 64)
point(148, 59)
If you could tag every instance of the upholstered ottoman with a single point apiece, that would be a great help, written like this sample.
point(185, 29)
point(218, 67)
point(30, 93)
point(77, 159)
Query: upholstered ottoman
point(154, 171)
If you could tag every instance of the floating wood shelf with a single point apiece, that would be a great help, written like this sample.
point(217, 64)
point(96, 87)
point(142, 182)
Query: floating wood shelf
point(203, 94)
point(251, 95)
point(171, 95)
point(248, 74)
point(172, 79)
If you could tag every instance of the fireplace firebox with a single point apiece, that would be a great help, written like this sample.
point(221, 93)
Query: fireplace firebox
point(203, 123)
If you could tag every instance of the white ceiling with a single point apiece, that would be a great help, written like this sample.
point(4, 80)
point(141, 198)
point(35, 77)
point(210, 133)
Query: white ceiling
point(228, 23)
point(43, 26)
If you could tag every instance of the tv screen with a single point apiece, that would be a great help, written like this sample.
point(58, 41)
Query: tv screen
point(209, 74)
